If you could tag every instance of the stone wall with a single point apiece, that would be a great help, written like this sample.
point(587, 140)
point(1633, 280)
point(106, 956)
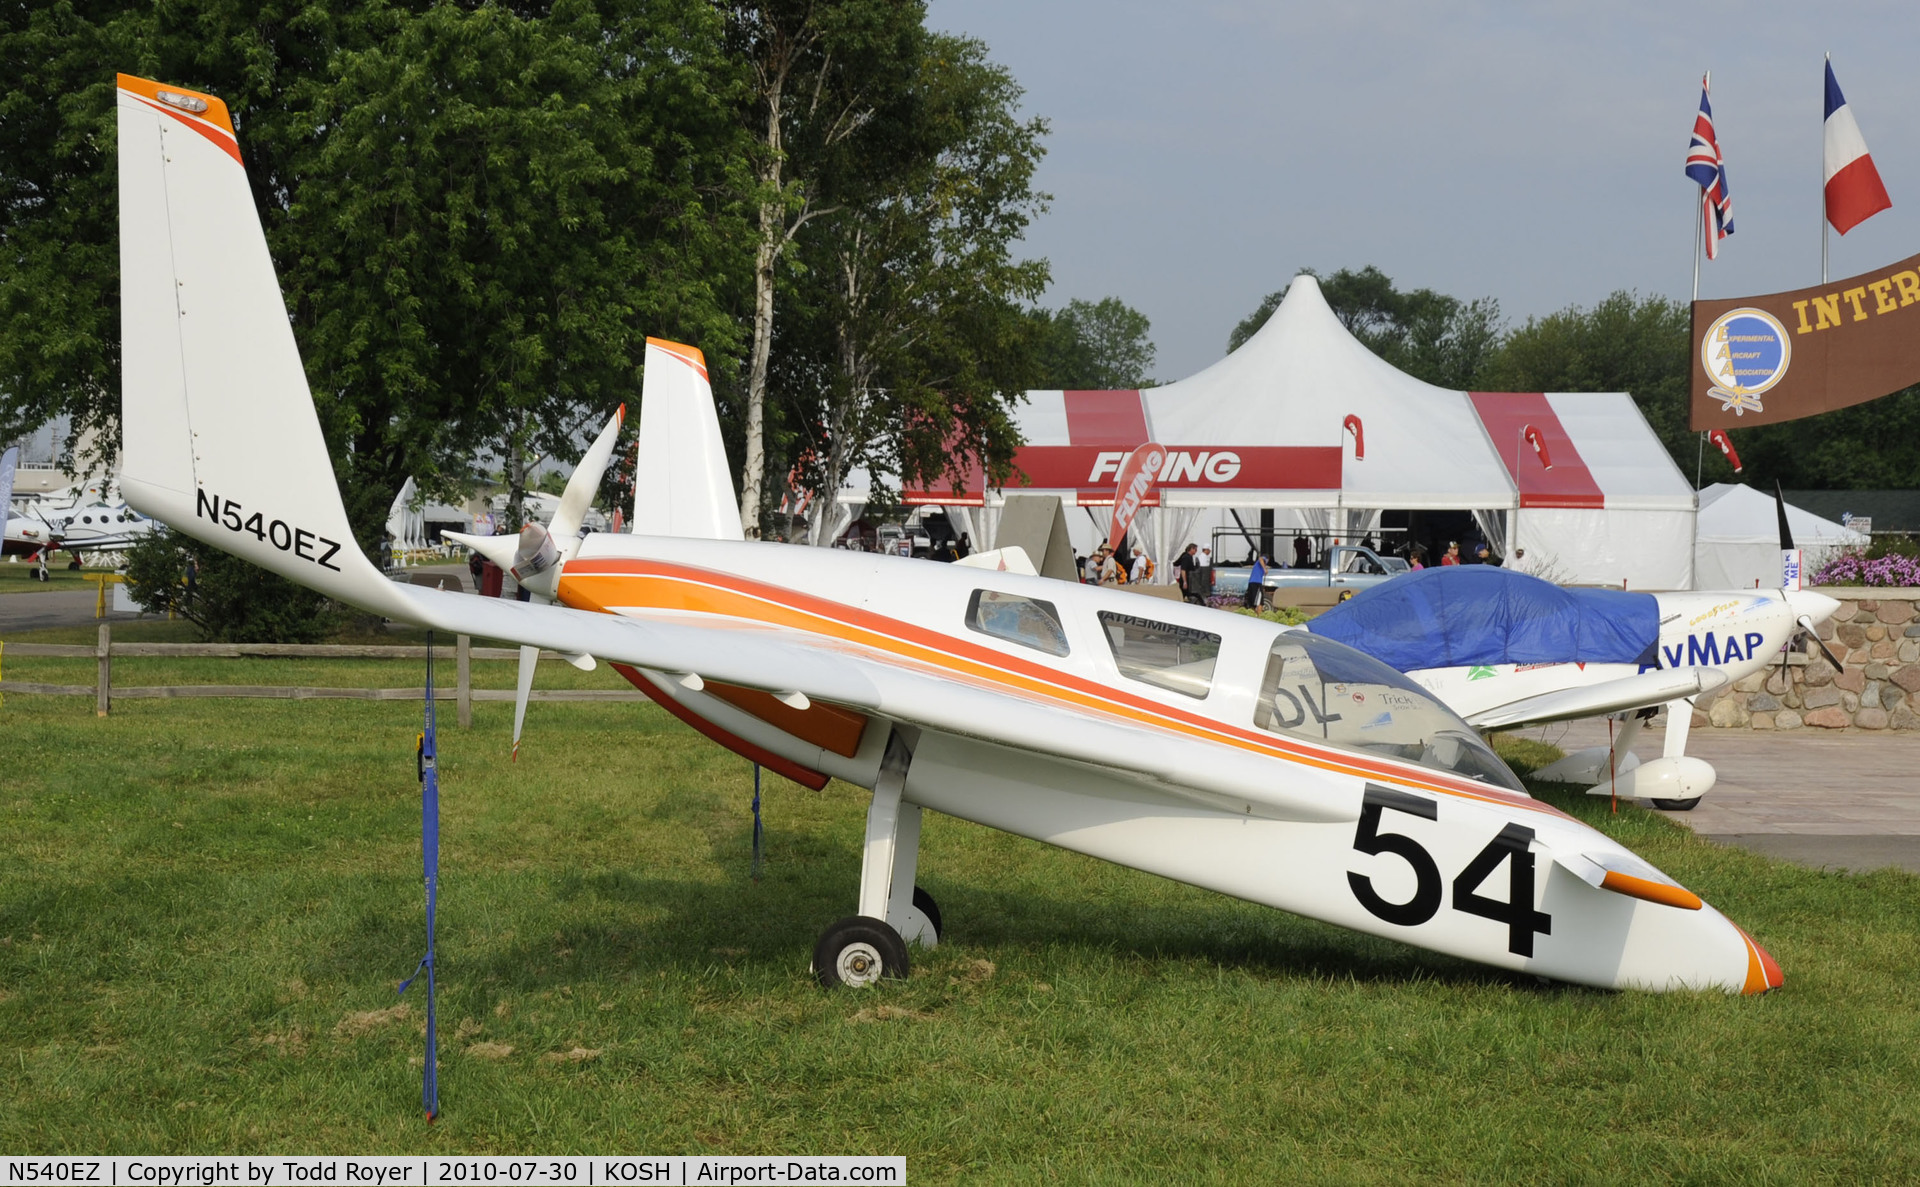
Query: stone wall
point(1876, 635)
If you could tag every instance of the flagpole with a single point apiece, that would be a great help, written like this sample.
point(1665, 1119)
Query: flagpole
point(1699, 230)
point(1699, 236)
point(1823, 181)
point(1700, 207)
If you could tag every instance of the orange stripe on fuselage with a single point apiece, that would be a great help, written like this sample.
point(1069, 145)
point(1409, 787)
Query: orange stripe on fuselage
point(605, 583)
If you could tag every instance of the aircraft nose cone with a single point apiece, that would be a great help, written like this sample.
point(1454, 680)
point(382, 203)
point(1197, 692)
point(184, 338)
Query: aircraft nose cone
point(1815, 607)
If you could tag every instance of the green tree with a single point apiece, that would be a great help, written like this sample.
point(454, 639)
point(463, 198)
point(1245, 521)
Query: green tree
point(827, 78)
point(230, 600)
point(1871, 446)
point(478, 213)
point(1441, 339)
point(499, 211)
point(911, 343)
point(1624, 343)
point(1099, 345)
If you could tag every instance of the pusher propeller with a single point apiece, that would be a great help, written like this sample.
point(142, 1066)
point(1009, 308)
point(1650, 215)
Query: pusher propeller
point(537, 555)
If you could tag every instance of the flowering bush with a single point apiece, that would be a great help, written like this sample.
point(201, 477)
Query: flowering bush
point(1284, 615)
point(1854, 567)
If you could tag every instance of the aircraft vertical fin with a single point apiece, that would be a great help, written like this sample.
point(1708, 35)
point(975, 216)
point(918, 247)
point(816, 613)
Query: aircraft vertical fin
point(681, 483)
point(221, 439)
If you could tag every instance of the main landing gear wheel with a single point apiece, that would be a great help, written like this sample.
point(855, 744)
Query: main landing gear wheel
point(1675, 805)
point(858, 951)
point(923, 902)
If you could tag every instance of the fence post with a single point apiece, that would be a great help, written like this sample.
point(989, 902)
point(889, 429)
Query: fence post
point(463, 652)
point(103, 694)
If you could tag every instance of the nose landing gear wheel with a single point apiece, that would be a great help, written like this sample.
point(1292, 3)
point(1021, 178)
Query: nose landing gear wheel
point(858, 951)
point(1676, 805)
point(923, 902)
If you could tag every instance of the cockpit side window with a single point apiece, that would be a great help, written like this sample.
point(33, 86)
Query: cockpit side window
point(1319, 689)
point(1177, 658)
point(1029, 622)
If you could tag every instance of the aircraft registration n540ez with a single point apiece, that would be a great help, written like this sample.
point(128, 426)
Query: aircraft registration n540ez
point(1261, 762)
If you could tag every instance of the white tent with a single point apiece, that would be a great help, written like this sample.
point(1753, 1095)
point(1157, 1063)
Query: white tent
point(1267, 427)
point(1738, 544)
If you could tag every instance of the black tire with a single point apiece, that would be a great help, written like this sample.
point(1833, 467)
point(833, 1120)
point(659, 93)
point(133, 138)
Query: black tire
point(858, 951)
point(1675, 805)
point(926, 906)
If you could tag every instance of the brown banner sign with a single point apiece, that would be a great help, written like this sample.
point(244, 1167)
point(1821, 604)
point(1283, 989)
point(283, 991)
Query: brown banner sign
point(1760, 360)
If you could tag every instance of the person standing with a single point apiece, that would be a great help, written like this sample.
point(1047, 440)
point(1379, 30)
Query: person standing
point(1452, 556)
point(1142, 571)
point(1256, 594)
point(1184, 567)
point(1203, 572)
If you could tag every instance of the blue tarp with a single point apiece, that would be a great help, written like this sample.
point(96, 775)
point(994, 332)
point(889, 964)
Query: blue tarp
point(1455, 616)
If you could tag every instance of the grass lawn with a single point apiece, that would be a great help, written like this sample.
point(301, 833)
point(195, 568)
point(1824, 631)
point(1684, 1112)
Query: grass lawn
point(18, 578)
point(206, 906)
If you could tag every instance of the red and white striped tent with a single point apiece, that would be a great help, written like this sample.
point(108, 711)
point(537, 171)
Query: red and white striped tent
point(1265, 428)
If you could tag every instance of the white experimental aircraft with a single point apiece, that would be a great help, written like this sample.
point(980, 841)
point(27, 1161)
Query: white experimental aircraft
point(1014, 701)
point(1506, 650)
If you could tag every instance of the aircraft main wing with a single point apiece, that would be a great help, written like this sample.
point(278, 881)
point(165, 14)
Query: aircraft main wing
point(1640, 691)
point(783, 661)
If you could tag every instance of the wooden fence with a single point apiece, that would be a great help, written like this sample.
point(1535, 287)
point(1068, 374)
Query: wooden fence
point(461, 691)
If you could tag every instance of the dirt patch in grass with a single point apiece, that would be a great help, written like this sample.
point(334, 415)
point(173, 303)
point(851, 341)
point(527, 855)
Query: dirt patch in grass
point(495, 1051)
point(354, 1026)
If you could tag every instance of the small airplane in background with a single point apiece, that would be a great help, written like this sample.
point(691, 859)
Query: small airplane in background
point(1507, 650)
point(1267, 763)
point(106, 524)
point(25, 537)
point(85, 517)
point(20, 535)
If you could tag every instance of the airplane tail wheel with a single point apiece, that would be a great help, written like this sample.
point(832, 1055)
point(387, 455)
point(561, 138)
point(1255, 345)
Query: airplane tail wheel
point(1675, 805)
point(858, 951)
point(923, 902)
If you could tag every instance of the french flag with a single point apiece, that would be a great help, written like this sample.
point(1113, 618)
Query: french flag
point(1854, 190)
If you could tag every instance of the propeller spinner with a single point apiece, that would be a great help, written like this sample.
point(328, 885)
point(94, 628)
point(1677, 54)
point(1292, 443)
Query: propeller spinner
point(538, 554)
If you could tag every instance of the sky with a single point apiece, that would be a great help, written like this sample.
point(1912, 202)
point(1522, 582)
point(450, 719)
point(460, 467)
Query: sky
point(1202, 153)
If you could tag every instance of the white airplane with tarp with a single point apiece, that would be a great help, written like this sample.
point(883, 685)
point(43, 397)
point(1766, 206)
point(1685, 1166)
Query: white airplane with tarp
point(1506, 650)
point(1154, 735)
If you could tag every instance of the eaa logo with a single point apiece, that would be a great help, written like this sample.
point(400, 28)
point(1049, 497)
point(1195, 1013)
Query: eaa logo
point(1182, 465)
point(1745, 352)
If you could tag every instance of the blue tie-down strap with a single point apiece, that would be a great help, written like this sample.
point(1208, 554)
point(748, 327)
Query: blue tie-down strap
point(756, 822)
point(430, 864)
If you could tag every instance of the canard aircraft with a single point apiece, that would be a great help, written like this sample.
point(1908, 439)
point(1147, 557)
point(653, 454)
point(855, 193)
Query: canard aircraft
point(1218, 750)
point(1506, 650)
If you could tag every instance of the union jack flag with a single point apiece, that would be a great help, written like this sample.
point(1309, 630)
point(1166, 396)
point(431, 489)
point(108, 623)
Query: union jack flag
point(1706, 167)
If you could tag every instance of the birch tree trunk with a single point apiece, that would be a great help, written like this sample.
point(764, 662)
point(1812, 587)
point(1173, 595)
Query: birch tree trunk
point(773, 237)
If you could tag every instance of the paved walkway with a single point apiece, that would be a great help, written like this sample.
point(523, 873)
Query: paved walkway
point(63, 607)
point(1843, 800)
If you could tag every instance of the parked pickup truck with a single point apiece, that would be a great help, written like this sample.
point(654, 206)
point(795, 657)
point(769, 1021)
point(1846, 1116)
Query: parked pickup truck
point(1348, 566)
